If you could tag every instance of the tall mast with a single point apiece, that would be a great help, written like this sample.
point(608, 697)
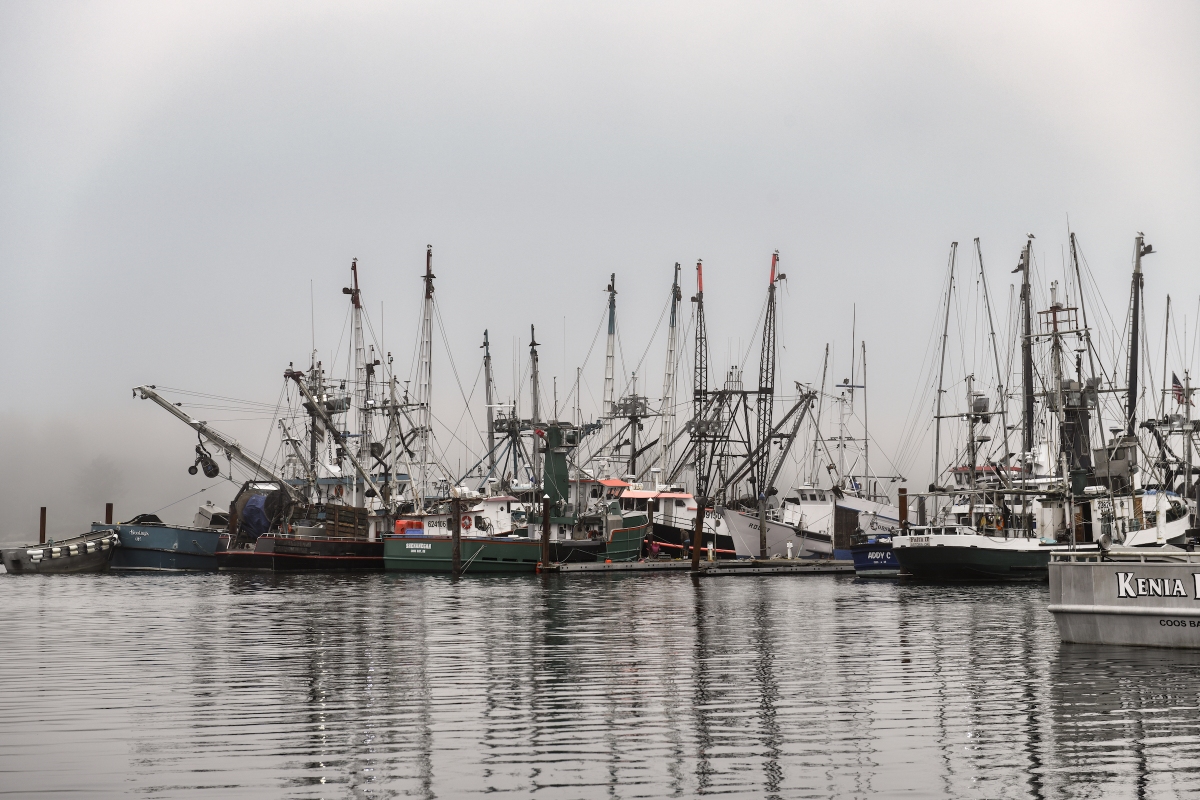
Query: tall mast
point(609, 358)
point(866, 430)
point(533, 366)
point(937, 436)
point(1087, 333)
point(1140, 249)
point(1026, 348)
point(817, 422)
point(425, 383)
point(1001, 397)
point(361, 387)
point(666, 433)
point(491, 401)
point(766, 386)
point(1166, 342)
point(700, 392)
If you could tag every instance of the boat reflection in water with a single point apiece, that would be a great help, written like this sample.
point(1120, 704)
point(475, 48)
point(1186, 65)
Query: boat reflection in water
point(392, 684)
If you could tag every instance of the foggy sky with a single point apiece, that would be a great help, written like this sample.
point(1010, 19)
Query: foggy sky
point(174, 178)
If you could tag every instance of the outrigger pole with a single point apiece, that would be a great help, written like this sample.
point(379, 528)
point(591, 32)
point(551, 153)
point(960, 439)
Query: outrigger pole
point(230, 446)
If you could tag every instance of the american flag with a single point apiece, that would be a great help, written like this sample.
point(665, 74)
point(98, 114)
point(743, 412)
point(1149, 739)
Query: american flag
point(1177, 390)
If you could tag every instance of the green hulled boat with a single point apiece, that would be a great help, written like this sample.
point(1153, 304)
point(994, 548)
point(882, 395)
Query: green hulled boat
point(601, 531)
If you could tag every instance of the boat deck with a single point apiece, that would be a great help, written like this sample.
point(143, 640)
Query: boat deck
point(774, 566)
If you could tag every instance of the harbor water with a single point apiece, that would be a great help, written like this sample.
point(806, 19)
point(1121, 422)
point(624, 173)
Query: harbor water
point(575, 686)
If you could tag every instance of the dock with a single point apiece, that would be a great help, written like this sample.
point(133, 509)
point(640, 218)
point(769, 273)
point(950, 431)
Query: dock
point(777, 566)
point(774, 566)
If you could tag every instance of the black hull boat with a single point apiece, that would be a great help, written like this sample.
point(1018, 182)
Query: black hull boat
point(274, 552)
point(90, 553)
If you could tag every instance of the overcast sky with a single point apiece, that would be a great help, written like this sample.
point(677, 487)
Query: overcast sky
point(174, 177)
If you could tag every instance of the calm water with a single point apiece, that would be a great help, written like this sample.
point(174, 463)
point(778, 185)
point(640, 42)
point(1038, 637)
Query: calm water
point(610, 686)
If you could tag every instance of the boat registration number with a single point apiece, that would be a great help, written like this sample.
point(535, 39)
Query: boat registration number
point(418, 546)
point(919, 541)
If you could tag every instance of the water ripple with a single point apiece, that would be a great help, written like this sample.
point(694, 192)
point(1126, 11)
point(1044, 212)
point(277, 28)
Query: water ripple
point(615, 686)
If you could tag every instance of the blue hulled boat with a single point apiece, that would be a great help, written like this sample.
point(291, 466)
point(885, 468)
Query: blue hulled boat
point(873, 556)
point(148, 543)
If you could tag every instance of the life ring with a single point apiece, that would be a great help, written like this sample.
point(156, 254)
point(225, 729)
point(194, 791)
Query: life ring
point(999, 522)
point(466, 522)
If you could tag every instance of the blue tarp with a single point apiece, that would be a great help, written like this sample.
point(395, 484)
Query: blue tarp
point(254, 516)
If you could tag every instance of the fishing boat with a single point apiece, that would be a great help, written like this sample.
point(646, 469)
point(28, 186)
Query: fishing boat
point(1127, 596)
point(274, 532)
point(582, 527)
point(1065, 496)
point(148, 543)
point(91, 552)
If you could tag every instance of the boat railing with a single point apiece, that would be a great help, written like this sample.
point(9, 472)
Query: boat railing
point(1133, 555)
point(966, 530)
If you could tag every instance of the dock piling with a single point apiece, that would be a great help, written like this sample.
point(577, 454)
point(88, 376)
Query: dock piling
point(455, 534)
point(698, 533)
point(108, 514)
point(545, 529)
point(42, 527)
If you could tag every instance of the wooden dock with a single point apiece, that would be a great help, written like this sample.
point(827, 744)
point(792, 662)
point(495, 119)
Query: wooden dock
point(774, 566)
point(777, 566)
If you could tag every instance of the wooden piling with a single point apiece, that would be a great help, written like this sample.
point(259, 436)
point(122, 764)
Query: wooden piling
point(903, 493)
point(698, 533)
point(546, 529)
point(42, 527)
point(108, 514)
point(456, 534)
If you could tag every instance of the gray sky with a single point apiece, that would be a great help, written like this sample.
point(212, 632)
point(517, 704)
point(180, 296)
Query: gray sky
point(173, 176)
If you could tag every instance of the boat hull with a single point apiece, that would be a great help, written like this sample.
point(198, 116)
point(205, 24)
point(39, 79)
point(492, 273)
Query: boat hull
point(744, 530)
point(79, 554)
point(273, 553)
point(875, 558)
point(1127, 600)
point(164, 547)
point(1025, 560)
point(477, 555)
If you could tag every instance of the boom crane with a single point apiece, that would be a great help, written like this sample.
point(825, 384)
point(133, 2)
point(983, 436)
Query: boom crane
point(231, 447)
point(766, 385)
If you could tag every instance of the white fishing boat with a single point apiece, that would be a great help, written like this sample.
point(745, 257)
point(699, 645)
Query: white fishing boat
point(1127, 596)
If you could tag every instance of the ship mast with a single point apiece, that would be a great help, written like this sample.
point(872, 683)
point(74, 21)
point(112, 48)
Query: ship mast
point(937, 436)
point(488, 388)
point(361, 385)
point(666, 435)
point(1001, 398)
point(1140, 249)
point(766, 389)
point(424, 384)
point(1026, 351)
point(609, 358)
point(700, 393)
point(533, 378)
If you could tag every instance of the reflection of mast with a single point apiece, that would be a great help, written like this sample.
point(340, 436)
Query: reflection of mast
point(609, 358)
point(666, 433)
point(766, 387)
point(425, 382)
point(490, 397)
